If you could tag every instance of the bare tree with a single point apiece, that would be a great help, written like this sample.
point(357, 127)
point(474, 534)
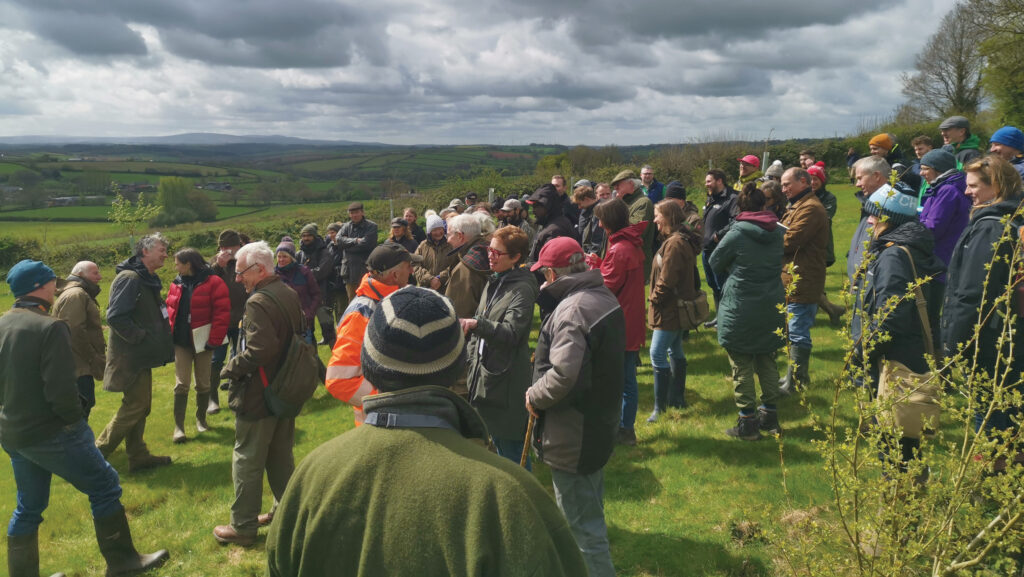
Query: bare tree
point(948, 77)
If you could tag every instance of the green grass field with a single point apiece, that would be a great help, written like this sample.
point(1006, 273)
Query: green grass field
point(11, 168)
point(164, 168)
point(673, 503)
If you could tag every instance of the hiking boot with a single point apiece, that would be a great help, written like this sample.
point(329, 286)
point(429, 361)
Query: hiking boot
point(712, 324)
point(202, 402)
point(768, 421)
point(226, 535)
point(835, 312)
point(627, 437)
point(147, 462)
point(746, 428)
point(23, 556)
point(265, 519)
point(115, 541)
point(180, 405)
point(662, 379)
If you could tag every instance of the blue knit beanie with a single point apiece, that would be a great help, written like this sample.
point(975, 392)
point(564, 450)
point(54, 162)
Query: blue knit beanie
point(27, 276)
point(898, 203)
point(1010, 136)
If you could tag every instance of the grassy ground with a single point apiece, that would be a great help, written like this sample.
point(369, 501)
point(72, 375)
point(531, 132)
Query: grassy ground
point(687, 500)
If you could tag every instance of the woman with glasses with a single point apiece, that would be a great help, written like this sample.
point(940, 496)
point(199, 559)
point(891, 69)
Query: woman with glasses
point(979, 273)
point(499, 343)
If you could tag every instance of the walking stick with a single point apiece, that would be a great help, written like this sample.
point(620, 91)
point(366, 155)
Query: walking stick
point(526, 442)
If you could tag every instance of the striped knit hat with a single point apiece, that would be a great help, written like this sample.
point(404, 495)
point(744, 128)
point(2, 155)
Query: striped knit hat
point(413, 339)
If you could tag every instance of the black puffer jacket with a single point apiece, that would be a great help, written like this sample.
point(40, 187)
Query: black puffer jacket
point(965, 284)
point(554, 224)
point(890, 274)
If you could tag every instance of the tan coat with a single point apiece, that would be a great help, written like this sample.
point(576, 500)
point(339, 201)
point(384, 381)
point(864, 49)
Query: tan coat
point(437, 262)
point(805, 246)
point(673, 277)
point(77, 306)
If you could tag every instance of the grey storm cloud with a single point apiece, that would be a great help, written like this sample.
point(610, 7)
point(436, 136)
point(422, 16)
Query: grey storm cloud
point(88, 34)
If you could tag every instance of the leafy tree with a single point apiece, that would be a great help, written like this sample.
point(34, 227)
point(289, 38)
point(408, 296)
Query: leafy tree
point(1000, 26)
point(201, 204)
point(949, 68)
point(172, 193)
point(129, 217)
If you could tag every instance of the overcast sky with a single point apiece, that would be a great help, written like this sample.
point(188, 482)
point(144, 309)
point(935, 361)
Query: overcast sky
point(458, 71)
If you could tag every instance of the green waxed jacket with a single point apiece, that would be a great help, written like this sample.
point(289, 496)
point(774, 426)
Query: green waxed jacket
point(140, 335)
point(499, 353)
point(748, 316)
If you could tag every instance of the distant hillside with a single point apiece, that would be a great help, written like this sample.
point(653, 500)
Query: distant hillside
point(189, 139)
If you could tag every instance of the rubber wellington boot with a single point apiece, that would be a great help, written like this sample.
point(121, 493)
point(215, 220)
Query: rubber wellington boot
point(180, 406)
point(662, 380)
point(797, 375)
point(214, 405)
point(202, 402)
point(677, 392)
point(115, 540)
point(23, 556)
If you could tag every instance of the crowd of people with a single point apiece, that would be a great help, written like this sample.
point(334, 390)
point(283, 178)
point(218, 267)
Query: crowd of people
point(429, 339)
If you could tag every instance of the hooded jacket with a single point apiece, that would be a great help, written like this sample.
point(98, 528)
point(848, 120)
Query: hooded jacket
point(965, 284)
point(77, 306)
point(357, 241)
point(966, 151)
point(673, 276)
point(140, 335)
point(641, 209)
point(468, 277)
point(946, 212)
point(719, 210)
point(805, 244)
point(623, 271)
point(553, 225)
point(889, 274)
point(751, 253)
point(499, 352)
point(577, 374)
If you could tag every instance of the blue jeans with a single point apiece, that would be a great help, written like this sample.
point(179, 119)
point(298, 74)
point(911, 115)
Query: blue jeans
point(630, 391)
point(581, 499)
point(72, 455)
point(512, 449)
point(664, 344)
point(801, 319)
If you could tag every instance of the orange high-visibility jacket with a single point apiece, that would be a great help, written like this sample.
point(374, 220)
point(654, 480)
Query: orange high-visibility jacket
point(344, 373)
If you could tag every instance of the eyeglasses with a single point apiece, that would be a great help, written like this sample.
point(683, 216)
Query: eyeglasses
point(496, 252)
point(246, 269)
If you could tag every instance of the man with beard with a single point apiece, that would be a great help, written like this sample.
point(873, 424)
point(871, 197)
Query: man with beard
point(313, 254)
point(551, 221)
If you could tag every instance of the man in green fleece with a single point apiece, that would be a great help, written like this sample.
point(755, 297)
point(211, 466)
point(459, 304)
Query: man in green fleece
point(414, 491)
point(958, 140)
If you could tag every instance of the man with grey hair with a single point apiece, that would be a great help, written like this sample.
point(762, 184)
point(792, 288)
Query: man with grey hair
point(468, 277)
point(140, 340)
point(577, 390)
point(628, 188)
point(77, 306)
point(651, 187)
point(870, 174)
point(263, 441)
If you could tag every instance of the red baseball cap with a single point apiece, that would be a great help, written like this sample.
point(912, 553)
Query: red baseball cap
point(751, 160)
point(556, 253)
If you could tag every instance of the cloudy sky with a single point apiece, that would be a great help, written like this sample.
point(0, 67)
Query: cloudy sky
point(457, 71)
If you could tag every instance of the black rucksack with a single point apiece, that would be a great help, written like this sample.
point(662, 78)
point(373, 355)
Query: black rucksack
point(297, 378)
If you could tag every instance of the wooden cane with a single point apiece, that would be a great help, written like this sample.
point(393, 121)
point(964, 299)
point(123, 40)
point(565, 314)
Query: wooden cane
point(526, 442)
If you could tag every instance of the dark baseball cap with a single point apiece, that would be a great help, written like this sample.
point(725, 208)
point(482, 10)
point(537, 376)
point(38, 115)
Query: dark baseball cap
point(389, 255)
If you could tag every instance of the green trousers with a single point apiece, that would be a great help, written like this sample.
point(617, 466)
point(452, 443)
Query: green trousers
point(129, 422)
point(744, 367)
point(260, 445)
